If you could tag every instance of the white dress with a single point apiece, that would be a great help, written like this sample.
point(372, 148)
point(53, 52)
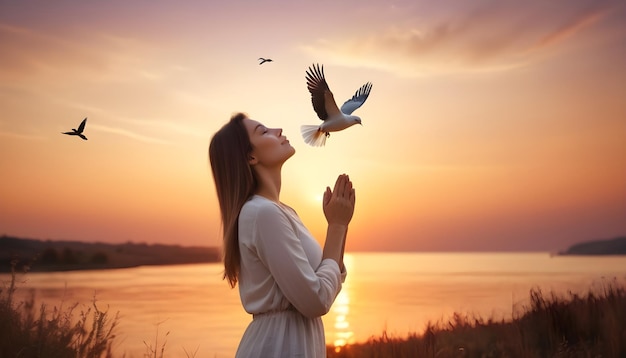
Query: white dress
point(283, 283)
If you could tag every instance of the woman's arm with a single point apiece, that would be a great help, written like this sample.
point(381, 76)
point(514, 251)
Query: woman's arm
point(311, 290)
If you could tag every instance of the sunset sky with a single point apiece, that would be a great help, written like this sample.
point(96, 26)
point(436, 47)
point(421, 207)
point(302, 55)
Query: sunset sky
point(491, 125)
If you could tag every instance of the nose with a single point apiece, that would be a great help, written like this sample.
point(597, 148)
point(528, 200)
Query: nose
point(279, 131)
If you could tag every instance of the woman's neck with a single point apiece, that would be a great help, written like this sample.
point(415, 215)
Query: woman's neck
point(269, 182)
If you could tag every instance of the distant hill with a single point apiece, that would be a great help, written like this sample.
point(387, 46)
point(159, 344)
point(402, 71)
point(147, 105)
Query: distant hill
point(616, 246)
point(48, 255)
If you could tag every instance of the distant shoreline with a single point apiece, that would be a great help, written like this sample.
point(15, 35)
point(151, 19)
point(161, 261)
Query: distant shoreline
point(35, 255)
point(606, 247)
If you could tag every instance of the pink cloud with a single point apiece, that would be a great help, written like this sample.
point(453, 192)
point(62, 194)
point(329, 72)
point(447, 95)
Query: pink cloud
point(482, 39)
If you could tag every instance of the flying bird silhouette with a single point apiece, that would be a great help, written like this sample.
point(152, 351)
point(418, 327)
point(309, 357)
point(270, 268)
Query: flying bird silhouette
point(324, 104)
point(79, 131)
point(263, 60)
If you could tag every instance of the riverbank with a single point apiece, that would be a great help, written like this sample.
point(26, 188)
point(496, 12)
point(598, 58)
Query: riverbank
point(47, 255)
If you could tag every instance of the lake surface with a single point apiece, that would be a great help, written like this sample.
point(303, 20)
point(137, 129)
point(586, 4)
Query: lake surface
point(191, 309)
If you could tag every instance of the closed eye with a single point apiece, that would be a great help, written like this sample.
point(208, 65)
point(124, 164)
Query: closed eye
point(262, 128)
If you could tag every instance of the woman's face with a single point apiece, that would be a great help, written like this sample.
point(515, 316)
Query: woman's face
point(269, 146)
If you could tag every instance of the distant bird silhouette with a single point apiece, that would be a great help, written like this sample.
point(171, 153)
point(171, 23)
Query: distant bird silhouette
point(326, 108)
point(79, 131)
point(263, 60)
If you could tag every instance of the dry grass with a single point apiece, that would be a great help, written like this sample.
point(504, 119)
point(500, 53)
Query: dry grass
point(44, 332)
point(590, 325)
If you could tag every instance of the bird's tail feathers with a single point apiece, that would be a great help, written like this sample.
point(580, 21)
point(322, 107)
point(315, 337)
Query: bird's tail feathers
point(313, 135)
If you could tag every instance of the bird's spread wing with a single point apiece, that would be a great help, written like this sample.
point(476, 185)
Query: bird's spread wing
point(358, 99)
point(321, 96)
point(81, 128)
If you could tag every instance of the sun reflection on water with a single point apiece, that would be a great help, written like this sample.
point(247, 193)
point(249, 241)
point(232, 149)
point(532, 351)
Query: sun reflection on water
point(343, 334)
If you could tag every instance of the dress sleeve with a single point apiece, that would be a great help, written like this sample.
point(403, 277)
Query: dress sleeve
point(311, 291)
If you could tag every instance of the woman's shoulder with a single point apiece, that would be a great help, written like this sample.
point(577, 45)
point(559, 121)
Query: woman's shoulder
point(258, 204)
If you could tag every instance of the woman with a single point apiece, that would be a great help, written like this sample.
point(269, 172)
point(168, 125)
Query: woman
point(286, 281)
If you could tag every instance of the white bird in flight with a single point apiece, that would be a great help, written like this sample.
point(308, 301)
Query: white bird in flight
point(79, 131)
point(327, 110)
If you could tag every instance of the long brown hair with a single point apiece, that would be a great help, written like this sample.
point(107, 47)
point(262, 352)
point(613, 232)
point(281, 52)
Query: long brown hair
point(235, 183)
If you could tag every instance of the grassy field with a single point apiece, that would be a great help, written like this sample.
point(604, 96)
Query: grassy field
point(589, 325)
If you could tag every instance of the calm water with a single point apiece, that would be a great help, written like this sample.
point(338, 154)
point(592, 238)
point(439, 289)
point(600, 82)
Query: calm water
point(398, 293)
